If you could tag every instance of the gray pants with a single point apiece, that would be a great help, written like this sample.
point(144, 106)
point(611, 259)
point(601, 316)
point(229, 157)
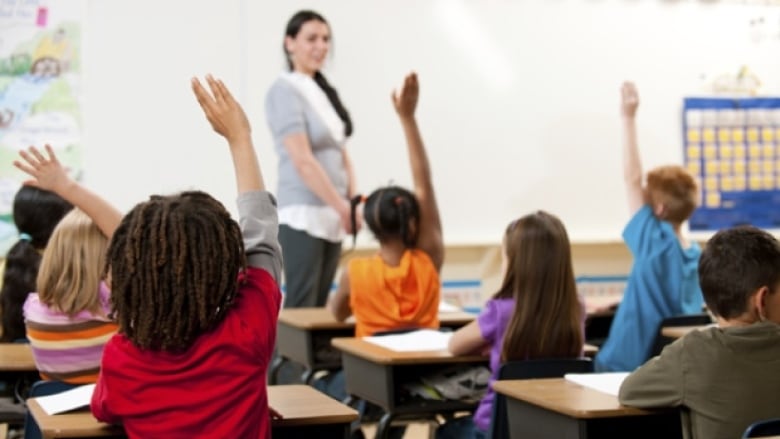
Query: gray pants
point(309, 266)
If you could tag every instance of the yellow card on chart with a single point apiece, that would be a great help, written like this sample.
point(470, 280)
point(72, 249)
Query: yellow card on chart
point(694, 152)
point(769, 182)
point(711, 183)
point(724, 135)
point(739, 183)
point(754, 166)
point(710, 152)
point(727, 184)
point(769, 166)
point(755, 183)
point(752, 134)
point(767, 134)
point(739, 167)
point(713, 199)
point(711, 167)
point(754, 150)
point(737, 134)
point(694, 167)
point(709, 135)
point(739, 151)
point(769, 151)
point(694, 136)
point(725, 167)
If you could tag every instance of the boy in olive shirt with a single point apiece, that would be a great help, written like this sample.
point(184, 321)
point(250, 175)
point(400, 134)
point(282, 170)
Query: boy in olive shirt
point(725, 377)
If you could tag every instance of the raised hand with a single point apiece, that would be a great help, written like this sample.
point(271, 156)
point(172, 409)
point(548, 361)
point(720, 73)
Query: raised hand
point(222, 111)
point(47, 172)
point(629, 99)
point(405, 102)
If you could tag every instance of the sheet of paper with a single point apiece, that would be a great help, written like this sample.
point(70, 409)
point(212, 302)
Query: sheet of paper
point(67, 400)
point(446, 307)
point(603, 382)
point(421, 340)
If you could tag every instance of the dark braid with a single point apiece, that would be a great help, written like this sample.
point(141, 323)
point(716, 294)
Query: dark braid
point(293, 27)
point(174, 264)
point(389, 212)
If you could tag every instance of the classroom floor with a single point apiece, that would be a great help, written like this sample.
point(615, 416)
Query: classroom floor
point(413, 431)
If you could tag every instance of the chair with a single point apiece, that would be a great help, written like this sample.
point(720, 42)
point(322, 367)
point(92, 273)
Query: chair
point(518, 370)
point(767, 427)
point(681, 320)
point(42, 388)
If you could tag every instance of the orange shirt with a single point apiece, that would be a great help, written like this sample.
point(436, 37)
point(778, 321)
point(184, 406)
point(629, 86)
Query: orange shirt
point(383, 298)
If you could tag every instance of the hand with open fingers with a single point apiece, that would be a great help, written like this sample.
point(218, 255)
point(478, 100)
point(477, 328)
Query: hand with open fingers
point(222, 111)
point(46, 171)
point(629, 99)
point(405, 102)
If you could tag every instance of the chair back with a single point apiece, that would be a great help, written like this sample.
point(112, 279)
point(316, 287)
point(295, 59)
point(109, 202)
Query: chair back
point(682, 320)
point(767, 427)
point(42, 388)
point(518, 370)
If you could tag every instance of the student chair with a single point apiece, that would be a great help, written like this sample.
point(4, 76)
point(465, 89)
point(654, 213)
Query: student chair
point(42, 388)
point(767, 427)
point(681, 320)
point(518, 370)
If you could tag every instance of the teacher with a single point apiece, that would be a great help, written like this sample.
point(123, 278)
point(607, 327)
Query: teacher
point(310, 127)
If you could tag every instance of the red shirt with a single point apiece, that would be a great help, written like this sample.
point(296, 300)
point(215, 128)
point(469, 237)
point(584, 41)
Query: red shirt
point(217, 388)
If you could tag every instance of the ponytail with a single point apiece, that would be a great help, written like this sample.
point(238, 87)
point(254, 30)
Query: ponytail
point(333, 97)
point(353, 204)
point(21, 270)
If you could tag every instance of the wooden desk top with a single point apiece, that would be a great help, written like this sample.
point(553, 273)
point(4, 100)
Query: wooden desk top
point(380, 355)
point(568, 398)
point(590, 350)
point(16, 357)
point(298, 405)
point(321, 318)
point(680, 331)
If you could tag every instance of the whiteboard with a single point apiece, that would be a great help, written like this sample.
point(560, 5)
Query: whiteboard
point(519, 99)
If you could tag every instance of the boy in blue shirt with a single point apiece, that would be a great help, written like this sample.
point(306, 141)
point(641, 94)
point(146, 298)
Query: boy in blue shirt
point(664, 279)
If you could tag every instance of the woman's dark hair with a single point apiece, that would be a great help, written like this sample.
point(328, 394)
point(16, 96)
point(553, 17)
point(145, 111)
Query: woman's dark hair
point(393, 213)
point(175, 263)
point(293, 27)
point(36, 213)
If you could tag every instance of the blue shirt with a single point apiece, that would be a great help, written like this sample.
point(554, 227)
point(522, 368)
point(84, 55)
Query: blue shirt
point(663, 283)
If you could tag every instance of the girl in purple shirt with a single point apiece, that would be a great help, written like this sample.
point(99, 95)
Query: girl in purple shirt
point(535, 314)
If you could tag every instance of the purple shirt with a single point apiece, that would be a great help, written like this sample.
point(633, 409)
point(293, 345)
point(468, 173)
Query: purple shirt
point(492, 324)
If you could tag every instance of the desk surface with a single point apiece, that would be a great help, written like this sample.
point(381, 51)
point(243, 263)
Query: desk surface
point(321, 318)
point(680, 331)
point(565, 397)
point(298, 404)
point(377, 354)
point(16, 357)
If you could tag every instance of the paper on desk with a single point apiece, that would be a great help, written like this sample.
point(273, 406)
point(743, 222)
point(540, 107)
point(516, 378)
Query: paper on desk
point(446, 307)
point(420, 340)
point(603, 382)
point(67, 400)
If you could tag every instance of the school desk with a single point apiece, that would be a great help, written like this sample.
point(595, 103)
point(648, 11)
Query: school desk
point(558, 408)
point(377, 375)
point(305, 413)
point(16, 357)
point(680, 331)
point(303, 335)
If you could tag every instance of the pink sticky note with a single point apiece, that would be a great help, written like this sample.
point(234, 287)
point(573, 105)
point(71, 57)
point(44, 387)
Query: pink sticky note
point(41, 18)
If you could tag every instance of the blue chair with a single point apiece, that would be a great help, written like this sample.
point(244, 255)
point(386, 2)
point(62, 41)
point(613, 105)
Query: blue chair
point(42, 388)
point(528, 369)
point(767, 427)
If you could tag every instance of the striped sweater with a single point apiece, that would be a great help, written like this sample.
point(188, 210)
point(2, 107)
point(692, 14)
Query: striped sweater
point(67, 348)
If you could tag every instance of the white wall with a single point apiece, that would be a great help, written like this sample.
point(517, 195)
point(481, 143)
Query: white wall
point(519, 99)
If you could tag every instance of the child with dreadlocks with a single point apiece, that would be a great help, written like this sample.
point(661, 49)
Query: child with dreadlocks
point(399, 286)
point(196, 303)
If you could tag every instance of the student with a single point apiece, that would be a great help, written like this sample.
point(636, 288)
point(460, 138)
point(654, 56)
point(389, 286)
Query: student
point(310, 127)
point(663, 281)
point(399, 286)
point(36, 212)
point(535, 314)
point(724, 377)
point(196, 305)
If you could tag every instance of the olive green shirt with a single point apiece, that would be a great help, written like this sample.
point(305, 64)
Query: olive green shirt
point(724, 380)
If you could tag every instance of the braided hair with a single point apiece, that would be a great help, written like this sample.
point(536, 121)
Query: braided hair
point(393, 213)
point(36, 213)
point(293, 27)
point(174, 264)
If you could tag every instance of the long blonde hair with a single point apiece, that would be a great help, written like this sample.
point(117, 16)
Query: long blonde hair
point(547, 320)
point(71, 269)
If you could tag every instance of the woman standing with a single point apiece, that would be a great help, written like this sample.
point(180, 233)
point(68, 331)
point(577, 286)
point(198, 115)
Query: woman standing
point(310, 126)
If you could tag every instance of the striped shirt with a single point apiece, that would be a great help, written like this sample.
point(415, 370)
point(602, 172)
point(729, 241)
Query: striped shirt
point(68, 348)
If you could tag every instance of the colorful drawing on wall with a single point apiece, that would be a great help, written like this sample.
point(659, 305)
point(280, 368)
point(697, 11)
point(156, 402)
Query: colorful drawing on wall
point(732, 145)
point(40, 90)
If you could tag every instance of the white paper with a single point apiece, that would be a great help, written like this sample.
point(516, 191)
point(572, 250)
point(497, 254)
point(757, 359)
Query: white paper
point(603, 382)
point(67, 400)
point(420, 340)
point(445, 307)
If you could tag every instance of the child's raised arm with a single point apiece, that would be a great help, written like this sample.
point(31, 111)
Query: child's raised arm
point(430, 235)
point(632, 164)
point(257, 208)
point(49, 174)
